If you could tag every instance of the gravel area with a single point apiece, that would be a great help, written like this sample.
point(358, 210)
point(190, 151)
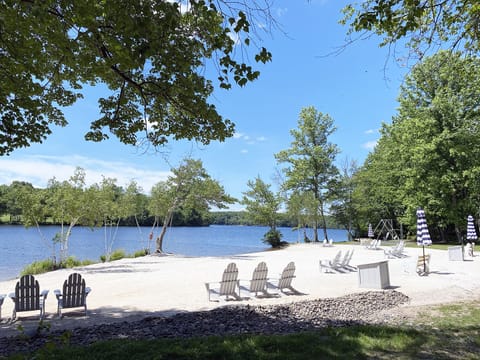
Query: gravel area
point(360, 308)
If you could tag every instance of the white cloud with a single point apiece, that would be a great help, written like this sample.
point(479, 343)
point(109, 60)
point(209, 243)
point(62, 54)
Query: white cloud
point(370, 145)
point(37, 170)
point(244, 151)
point(248, 139)
point(238, 135)
point(370, 131)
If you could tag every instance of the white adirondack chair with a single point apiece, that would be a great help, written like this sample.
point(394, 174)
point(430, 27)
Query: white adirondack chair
point(228, 285)
point(286, 277)
point(333, 265)
point(258, 283)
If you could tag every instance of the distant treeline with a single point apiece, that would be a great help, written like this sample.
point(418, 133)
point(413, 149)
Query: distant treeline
point(179, 219)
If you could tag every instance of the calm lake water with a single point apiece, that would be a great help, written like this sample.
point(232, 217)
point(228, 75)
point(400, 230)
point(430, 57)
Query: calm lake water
point(20, 246)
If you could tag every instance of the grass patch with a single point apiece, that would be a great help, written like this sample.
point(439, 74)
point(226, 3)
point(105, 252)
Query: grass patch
point(140, 253)
point(120, 254)
point(43, 266)
point(440, 332)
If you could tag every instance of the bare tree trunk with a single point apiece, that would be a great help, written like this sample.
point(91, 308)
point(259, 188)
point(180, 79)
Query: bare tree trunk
point(315, 230)
point(159, 240)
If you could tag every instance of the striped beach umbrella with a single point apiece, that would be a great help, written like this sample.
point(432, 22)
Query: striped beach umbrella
point(370, 231)
point(471, 233)
point(423, 236)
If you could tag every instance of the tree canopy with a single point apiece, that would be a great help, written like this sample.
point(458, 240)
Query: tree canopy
point(429, 156)
point(151, 55)
point(189, 189)
point(426, 25)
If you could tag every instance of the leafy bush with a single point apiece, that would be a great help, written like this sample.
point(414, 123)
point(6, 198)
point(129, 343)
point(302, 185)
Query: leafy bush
point(38, 267)
point(273, 238)
point(115, 255)
point(140, 253)
point(87, 262)
point(43, 266)
point(70, 262)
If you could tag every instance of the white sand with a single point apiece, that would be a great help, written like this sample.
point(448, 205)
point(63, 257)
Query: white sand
point(160, 285)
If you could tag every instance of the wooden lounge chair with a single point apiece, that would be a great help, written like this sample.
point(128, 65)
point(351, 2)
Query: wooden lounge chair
point(228, 285)
point(258, 283)
point(331, 265)
point(27, 296)
point(423, 265)
point(73, 295)
point(285, 280)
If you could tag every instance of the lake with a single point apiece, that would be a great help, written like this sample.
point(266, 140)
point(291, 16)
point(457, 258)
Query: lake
point(20, 246)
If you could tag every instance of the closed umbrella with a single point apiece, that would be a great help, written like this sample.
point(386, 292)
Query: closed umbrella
point(370, 231)
point(471, 233)
point(423, 236)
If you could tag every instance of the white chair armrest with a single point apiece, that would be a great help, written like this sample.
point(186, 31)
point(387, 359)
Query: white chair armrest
point(87, 291)
point(44, 294)
point(57, 293)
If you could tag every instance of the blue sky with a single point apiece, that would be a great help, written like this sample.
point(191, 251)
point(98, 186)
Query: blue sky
point(358, 88)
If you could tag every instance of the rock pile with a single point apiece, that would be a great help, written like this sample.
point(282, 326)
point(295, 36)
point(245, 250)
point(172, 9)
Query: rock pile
point(360, 308)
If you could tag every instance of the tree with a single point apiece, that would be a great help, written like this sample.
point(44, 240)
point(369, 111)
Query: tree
point(427, 26)
point(135, 204)
point(13, 197)
point(301, 207)
point(151, 55)
point(111, 210)
point(34, 209)
point(69, 203)
point(429, 156)
point(262, 207)
point(190, 187)
point(310, 162)
point(377, 183)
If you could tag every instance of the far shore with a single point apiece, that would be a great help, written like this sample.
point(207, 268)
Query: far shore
point(161, 285)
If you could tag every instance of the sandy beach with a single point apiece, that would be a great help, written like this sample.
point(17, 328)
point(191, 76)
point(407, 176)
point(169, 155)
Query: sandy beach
point(167, 284)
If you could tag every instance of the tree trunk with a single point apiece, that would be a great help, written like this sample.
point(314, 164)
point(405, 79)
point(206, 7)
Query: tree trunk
point(324, 222)
point(166, 223)
point(459, 234)
point(315, 231)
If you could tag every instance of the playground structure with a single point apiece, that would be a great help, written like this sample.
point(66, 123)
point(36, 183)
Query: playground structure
point(385, 230)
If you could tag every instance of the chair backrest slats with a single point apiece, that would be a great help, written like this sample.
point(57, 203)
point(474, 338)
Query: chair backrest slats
point(229, 280)
point(287, 276)
point(27, 294)
point(74, 291)
point(259, 278)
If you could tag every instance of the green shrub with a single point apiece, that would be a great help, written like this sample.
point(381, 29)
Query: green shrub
point(273, 238)
point(140, 253)
point(115, 255)
point(87, 262)
point(38, 267)
point(70, 262)
point(43, 266)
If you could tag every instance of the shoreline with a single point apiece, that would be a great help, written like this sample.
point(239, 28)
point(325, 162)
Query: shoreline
point(22, 246)
point(162, 285)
